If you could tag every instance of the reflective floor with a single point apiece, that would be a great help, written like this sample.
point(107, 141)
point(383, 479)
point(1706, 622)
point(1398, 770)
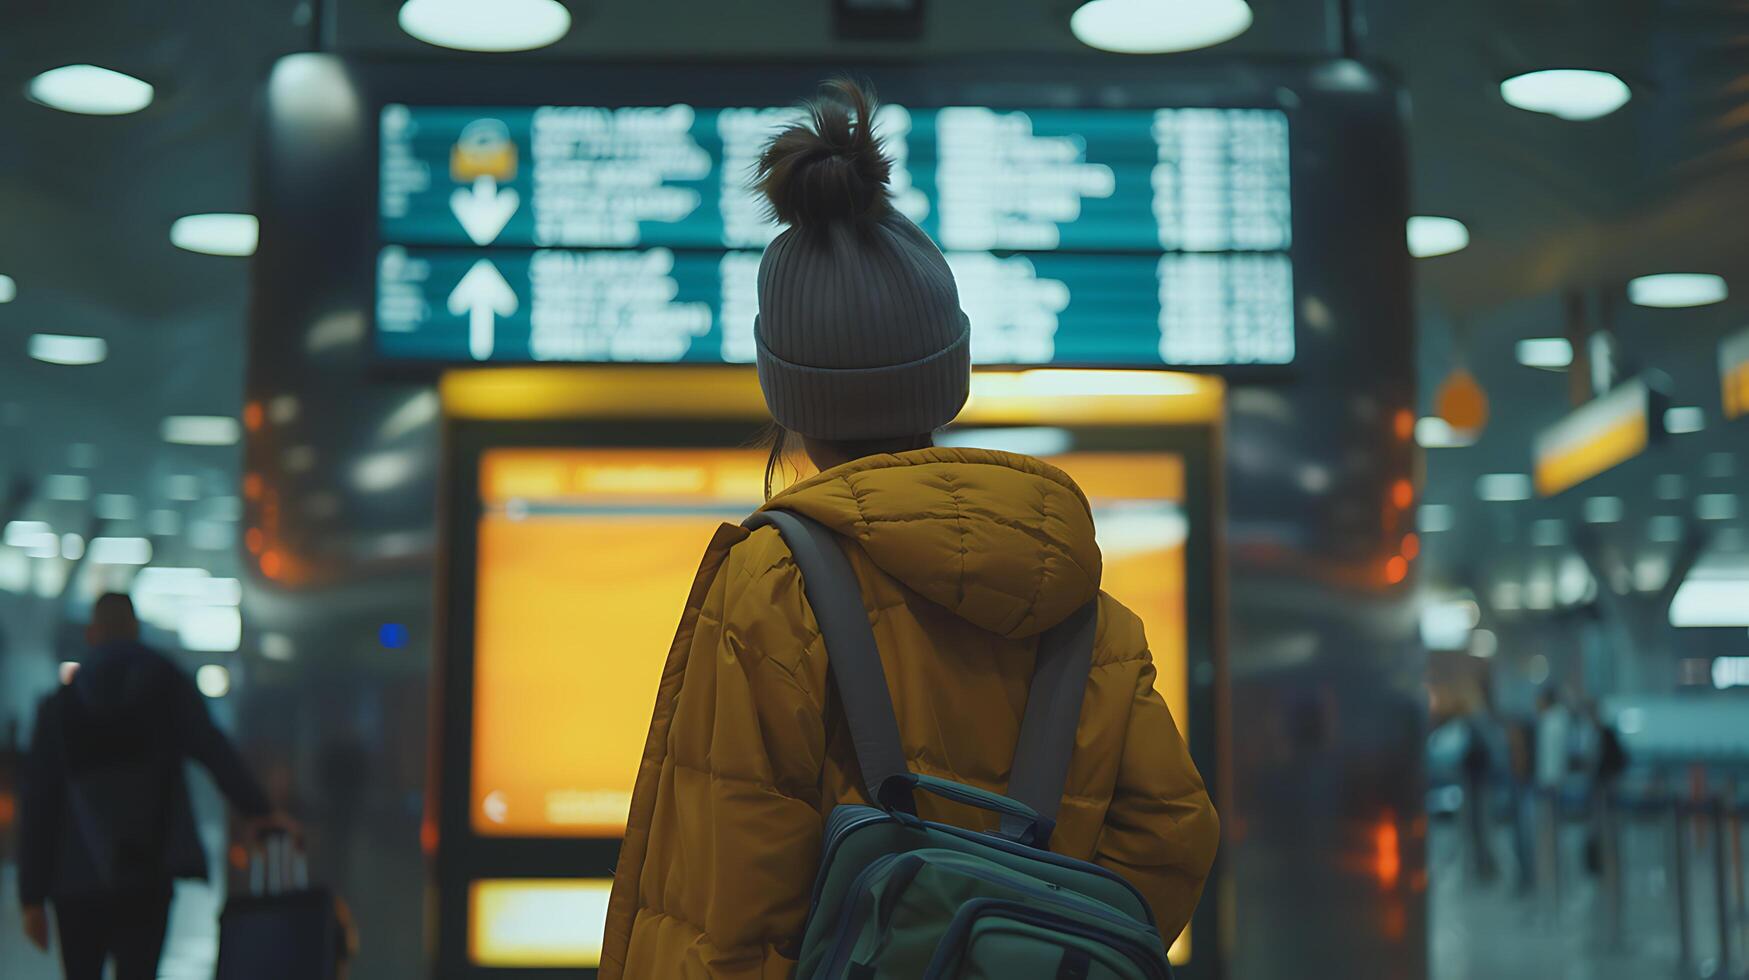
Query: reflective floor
point(1497, 932)
point(1479, 931)
point(190, 950)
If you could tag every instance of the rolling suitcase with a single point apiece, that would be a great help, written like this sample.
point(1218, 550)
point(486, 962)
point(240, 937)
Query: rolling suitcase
point(281, 928)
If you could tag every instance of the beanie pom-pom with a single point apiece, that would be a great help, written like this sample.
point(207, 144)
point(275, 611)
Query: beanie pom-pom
point(830, 169)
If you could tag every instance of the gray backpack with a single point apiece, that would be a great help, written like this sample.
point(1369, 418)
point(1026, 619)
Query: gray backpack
point(901, 897)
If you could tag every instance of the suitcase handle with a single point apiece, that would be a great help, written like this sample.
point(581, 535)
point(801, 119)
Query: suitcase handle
point(277, 865)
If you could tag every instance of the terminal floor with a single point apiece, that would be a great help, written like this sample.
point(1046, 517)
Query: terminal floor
point(1476, 931)
point(1493, 932)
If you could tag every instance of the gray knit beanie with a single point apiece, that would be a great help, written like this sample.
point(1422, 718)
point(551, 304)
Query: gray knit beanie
point(860, 333)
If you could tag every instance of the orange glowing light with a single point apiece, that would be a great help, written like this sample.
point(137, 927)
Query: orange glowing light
point(252, 486)
point(428, 835)
point(252, 416)
point(1402, 493)
point(8, 809)
point(1397, 569)
point(238, 856)
point(1387, 856)
point(254, 540)
point(1404, 422)
point(272, 564)
point(1462, 402)
point(1411, 546)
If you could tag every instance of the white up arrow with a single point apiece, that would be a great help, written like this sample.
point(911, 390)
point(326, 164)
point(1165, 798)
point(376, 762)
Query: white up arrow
point(481, 294)
point(483, 210)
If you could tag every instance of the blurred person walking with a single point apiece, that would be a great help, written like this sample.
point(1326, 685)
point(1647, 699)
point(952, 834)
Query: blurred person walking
point(1553, 764)
point(964, 558)
point(1521, 772)
point(1478, 765)
point(106, 823)
point(1605, 764)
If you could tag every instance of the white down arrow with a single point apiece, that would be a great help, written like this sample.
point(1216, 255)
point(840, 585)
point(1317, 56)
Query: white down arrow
point(484, 209)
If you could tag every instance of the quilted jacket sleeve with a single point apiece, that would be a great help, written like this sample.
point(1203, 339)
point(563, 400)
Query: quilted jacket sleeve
point(1161, 831)
point(735, 830)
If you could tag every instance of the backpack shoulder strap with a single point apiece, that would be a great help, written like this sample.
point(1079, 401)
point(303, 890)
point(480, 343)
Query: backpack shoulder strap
point(1053, 713)
point(854, 661)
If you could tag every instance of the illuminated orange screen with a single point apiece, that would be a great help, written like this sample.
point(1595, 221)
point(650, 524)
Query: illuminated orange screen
point(585, 560)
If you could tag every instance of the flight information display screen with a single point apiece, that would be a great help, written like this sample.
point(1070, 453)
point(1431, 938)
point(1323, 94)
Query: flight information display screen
point(611, 537)
point(1091, 237)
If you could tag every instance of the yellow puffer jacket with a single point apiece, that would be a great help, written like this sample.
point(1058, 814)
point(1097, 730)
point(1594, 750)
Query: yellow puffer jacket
point(964, 556)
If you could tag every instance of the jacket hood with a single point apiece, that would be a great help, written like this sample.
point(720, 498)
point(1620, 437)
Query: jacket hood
point(1004, 541)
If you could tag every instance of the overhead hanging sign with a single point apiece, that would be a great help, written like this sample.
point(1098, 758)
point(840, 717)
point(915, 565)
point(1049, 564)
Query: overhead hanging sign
point(1093, 237)
point(1734, 374)
point(1603, 433)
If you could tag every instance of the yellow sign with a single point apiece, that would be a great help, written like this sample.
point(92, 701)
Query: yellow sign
point(585, 558)
point(1606, 432)
point(535, 922)
point(1056, 396)
point(1734, 374)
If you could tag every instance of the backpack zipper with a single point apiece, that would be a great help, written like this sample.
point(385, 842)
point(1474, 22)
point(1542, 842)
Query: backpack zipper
point(835, 836)
point(845, 943)
point(1055, 896)
point(1049, 857)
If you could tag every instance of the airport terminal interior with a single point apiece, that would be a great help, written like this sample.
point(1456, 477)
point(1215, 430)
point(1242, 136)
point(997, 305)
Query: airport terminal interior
point(397, 359)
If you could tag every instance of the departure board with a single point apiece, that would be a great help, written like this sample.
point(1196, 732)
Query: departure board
point(1111, 237)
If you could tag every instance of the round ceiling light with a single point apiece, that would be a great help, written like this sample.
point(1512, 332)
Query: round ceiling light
point(90, 90)
point(1158, 26)
point(216, 234)
point(1431, 235)
point(486, 25)
point(1670, 290)
point(1568, 93)
point(57, 348)
point(8, 289)
point(1548, 353)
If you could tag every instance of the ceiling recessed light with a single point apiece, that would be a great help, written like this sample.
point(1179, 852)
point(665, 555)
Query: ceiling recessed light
point(119, 551)
point(116, 506)
point(8, 289)
point(1503, 486)
point(1431, 235)
point(1434, 518)
point(1715, 507)
point(1603, 510)
point(58, 348)
point(486, 25)
point(1433, 432)
point(201, 430)
point(213, 680)
point(1671, 290)
point(1712, 600)
point(29, 535)
point(216, 234)
point(1550, 353)
point(1157, 27)
point(1567, 93)
point(1683, 419)
point(90, 90)
point(66, 486)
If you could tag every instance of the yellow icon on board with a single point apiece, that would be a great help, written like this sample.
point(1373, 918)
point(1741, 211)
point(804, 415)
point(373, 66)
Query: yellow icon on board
point(484, 149)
